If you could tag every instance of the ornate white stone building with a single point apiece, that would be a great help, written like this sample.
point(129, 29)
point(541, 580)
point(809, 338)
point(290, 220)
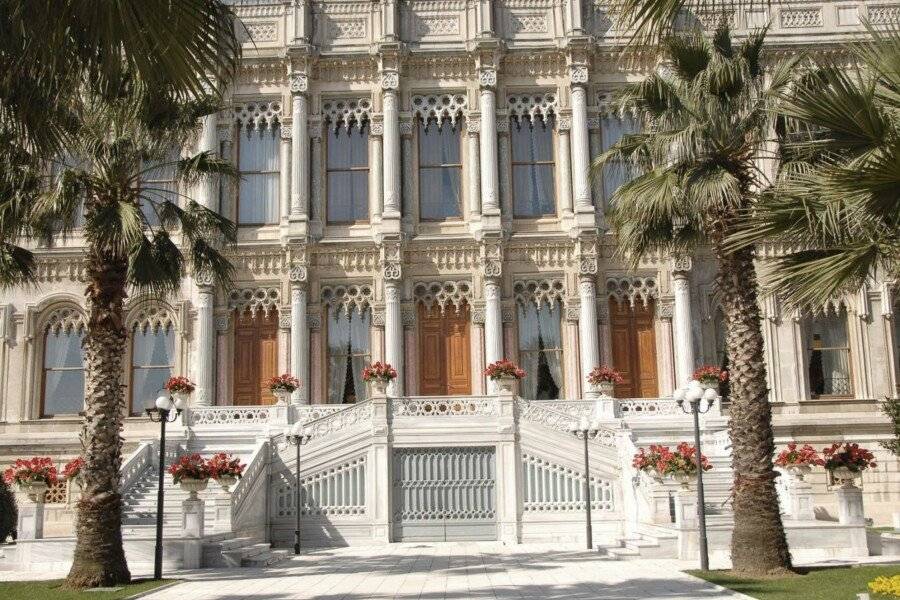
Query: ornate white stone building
point(415, 190)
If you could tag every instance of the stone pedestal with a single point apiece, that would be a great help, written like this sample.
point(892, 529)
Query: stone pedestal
point(508, 479)
point(896, 521)
point(31, 516)
point(222, 506)
point(604, 407)
point(379, 469)
point(850, 505)
point(192, 524)
point(658, 498)
point(685, 509)
point(800, 500)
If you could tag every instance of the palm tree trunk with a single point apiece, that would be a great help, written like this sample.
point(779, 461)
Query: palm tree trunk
point(99, 558)
point(758, 543)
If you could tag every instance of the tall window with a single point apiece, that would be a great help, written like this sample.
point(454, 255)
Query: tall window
point(829, 355)
point(63, 376)
point(348, 173)
point(157, 182)
point(348, 353)
point(152, 363)
point(258, 159)
point(534, 192)
point(440, 170)
point(540, 350)
point(612, 128)
point(60, 165)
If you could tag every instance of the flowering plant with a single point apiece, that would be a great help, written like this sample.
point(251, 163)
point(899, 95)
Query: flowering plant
point(848, 456)
point(179, 384)
point(683, 461)
point(649, 461)
point(33, 470)
point(604, 374)
point(886, 586)
point(188, 466)
point(224, 465)
point(73, 468)
point(283, 382)
point(806, 456)
point(503, 368)
point(710, 375)
point(379, 371)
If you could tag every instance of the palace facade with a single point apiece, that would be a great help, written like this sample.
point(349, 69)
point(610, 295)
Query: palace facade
point(415, 189)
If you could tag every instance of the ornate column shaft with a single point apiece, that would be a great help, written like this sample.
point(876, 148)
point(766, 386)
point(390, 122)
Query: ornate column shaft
point(490, 198)
point(493, 322)
point(209, 142)
point(317, 207)
point(225, 207)
point(580, 148)
point(206, 341)
point(285, 187)
point(564, 125)
point(393, 333)
point(299, 335)
point(376, 173)
point(299, 147)
point(473, 129)
point(681, 321)
point(390, 82)
point(587, 328)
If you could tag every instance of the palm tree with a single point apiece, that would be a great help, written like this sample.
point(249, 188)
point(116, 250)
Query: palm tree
point(706, 117)
point(139, 237)
point(837, 200)
point(649, 20)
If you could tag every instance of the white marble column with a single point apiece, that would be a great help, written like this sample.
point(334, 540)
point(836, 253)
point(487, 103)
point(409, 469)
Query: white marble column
point(299, 148)
point(209, 142)
point(285, 183)
point(493, 322)
point(376, 173)
point(390, 82)
point(563, 152)
point(226, 206)
point(473, 128)
point(490, 197)
point(589, 344)
point(581, 152)
point(206, 341)
point(681, 321)
point(299, 340)
point(393, 333)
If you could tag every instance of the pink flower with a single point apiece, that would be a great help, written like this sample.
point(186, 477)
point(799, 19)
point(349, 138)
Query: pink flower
point(604, 374)
point(710, 375)
point(179, 384)
point(379, 371)
point(504, 368)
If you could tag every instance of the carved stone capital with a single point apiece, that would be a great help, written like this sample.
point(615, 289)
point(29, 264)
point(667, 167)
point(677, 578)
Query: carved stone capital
point(478, 316)
point(390, 80)
point(573, 313)
point(578, 74)
point(222, 323)
point(286, 131)
point(299, 83)
point(378, 318)
point(203, 277)
point(665, 310)
point(297, 273)
point(681, 264)
point(487, 77)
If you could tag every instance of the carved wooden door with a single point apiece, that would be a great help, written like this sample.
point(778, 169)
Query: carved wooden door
point(634, 349)
point(445, 362)
point(255, 358)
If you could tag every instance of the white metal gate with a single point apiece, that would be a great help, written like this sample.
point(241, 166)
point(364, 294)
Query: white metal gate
point(444, 494)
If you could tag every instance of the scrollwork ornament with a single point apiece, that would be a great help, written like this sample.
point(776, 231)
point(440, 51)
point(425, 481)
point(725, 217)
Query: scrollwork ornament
point(285, 132)
point(203, 277)
point(493, 269)
point(378, 319)
point(390, 80)
point(588, 265)
point(681, 264)
point(578, 74)
point(299, 83)
point(487, 77)
point(297, 274)
point(391, 271)
point(478, 316)
point(573, 314)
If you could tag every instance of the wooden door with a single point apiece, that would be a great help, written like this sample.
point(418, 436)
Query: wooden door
point(445, 367)
point(634, 349)
point(255, 358)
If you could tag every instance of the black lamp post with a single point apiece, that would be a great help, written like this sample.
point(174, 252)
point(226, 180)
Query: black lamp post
point(298, 436)
point(165, 411)
point(585, 430)
point(689, 400)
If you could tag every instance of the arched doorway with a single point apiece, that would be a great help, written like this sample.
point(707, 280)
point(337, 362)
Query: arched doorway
point(445, 367)
point(255, 356)
point(634, 348)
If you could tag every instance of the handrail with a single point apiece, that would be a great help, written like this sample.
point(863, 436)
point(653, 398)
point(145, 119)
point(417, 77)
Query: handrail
point(256, 468)
point(444, 406)
point(136, 464)
point(533, 411)
point(358, 413)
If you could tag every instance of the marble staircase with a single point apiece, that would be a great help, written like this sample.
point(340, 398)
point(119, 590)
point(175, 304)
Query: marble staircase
point(139, 503)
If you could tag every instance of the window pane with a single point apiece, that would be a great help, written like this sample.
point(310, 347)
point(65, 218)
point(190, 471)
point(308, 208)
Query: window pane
point(439, 191)
point(829, 358)
point(63, 392)
point(63, 350)
point(145, 386)
point(340, 197)
point(153, 348)
point(438, 146)
point(348, 147)
point(532, 140)
point(533, 190)
point(258, 198)
point(612, 128)
point(258, 149)
point(348, 354)
point(360, 195)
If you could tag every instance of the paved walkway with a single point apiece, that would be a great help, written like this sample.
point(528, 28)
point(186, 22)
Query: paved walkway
point(452, 570)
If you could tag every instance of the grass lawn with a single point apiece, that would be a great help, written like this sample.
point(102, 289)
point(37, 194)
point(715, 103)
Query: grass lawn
point(51, 590)
point(834, 583)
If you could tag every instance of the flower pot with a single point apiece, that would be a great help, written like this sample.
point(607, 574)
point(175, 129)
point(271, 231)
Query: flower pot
point(844, 476)
point(227, 481)
point(378, 387)
point(799, 471)
point(193, 486)
point(707, 385)
point(606, 388)
point(282, 395)
point(506, 384)
point(683, 479)
point(181, 399)
point(35, 490)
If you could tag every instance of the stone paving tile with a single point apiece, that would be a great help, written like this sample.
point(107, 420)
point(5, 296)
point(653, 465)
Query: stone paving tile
point(451, 571)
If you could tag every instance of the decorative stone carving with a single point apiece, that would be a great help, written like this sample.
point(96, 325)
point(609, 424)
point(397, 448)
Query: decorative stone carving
point(408, 317)
point(378, 318)
point(473, 126)
point(487, 77)
point(284, 318)
point(349, 296)
point(254, 300)
point(222, 323)
point(442, 294)
point(347, 111)
point(258, 114)
point(391, 258)
point(65, 319)
point(264, 31)
point(539, 291)
point(507, 315)
point(299, 83)
point(665, 310)
point(492, 258)
point(406, 127)
point(313, 321)
point(631, 289)
point(390, 80)
point(437, 26)
point(681, 264)
point(528, 23)
point(297, 273)
point(439, 107)
point(586, 250)
point(564, 123)
point(578, 74)
point(795, 19)
point(478, 316)
point(150, 317)
point(573, 313)
point(376, 127)
point(532, 106)
point(286, 132)
point(343, 29)
point(203, 278)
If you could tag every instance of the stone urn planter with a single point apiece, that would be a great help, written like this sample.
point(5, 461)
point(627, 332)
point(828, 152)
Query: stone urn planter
point(34, 490)
point(282, 396)
point(845, 477)
point(605, 388)
point(181, 399)
point(506, 384)
point(798, 472)
point(227, 482)
point(683, 479)
point(378, 387)
point(193, 486)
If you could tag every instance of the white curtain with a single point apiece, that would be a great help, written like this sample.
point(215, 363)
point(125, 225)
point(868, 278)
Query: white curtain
point(360, 324)
point(439, 177)
point(258, 161)
point(338, 340)
point(63, 373)
point(533, 186)
point(612, 128)
point(833, 339)
point(152, 361)
point(549, 321)
point(529, 356)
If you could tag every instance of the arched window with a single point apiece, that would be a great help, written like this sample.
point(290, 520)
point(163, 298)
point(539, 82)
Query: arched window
point(828, 354)
point(258, 162)
point(540, 349)
point(347, 178)
point(534, 189)
point(63, 365)
point(152, 362)
point(440, 170)
point(612, 128)
point(348, 352)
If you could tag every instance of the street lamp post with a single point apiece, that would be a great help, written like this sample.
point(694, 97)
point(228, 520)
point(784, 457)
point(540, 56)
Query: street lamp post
point(689, 400)
point(165, 410)
point(297, 437)
point(585, 430)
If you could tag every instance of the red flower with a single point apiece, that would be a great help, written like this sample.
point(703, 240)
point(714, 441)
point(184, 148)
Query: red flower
point(33, 470)
point(805, 456)
point(224, 465)
point(849, 456)
point(285, 382)
point(73, 468)
point(604, 374)
point(710, 375)
point(504, 368)
point(379, 371)
point(179, 384)
point(188, 466)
